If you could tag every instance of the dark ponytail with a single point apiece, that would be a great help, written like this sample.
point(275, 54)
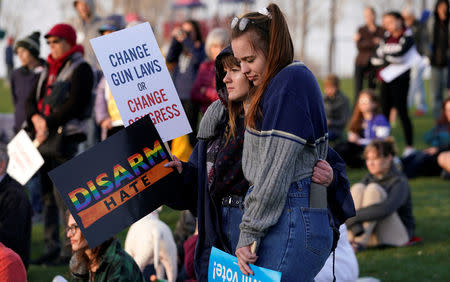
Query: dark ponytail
point(269, 34)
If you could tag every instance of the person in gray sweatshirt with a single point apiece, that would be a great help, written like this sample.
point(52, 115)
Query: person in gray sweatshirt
point(382, 201)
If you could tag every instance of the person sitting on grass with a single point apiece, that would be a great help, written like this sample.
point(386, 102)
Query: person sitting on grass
point(434, 160)
point(366, 124)
point(382, 201)
point(106, 262)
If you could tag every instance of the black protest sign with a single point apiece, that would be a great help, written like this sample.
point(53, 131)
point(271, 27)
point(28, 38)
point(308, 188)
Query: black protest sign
point(117, 182)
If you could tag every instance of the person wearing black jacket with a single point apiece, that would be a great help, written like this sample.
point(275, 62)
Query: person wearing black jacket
point(398, 41)
point(440, 47)
point(61, 97)
point(23, 78)
point(15, 212)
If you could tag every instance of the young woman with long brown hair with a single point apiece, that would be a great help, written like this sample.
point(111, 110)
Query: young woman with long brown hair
point(366, 124)
point(286, 134)
point(214, 186)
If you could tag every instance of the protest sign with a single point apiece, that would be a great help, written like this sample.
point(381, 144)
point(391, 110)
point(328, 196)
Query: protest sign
point(224, 267)
point(24, 158)
point(140, 81)
point(117, 182)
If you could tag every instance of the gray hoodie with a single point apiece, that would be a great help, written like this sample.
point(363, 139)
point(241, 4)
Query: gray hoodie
point(87, 30)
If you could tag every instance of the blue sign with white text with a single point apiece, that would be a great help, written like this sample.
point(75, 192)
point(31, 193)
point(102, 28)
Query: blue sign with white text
point(224, 267)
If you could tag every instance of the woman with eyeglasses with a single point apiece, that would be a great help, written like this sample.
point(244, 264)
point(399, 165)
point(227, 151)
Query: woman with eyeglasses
point(285, 214)
point(397, 43)
point(106, 262)
point(366, 124)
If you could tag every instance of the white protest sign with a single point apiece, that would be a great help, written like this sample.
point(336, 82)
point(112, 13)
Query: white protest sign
point(140, 81)
point(24, 158)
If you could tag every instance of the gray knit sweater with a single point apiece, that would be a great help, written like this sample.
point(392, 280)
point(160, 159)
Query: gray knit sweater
point(290, 139)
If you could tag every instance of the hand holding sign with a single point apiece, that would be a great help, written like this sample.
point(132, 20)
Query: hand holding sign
point(223, 267)
point(139, 80)
point(24, 158)
point(117, 182)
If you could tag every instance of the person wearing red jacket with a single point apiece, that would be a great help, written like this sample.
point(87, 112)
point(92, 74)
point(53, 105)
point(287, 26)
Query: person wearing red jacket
point(204, 91)
point(62, 96)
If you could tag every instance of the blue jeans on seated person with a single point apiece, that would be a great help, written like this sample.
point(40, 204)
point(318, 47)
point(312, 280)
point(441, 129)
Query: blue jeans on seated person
point(298, 244)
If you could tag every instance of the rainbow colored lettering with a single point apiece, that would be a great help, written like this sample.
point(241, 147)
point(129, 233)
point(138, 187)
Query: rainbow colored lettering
point(104, 184)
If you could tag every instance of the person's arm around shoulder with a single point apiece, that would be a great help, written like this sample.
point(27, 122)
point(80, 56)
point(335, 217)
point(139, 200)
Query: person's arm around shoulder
point(270, 152)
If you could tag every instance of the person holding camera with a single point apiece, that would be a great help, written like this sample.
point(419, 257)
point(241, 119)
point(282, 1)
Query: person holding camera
point(186, 53)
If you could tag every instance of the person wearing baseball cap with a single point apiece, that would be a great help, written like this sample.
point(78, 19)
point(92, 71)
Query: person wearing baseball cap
point(61, 96)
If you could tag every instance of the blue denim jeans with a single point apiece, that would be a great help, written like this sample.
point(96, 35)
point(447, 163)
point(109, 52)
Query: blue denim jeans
point(298, 244)
point(438, 83)
point(231, 218)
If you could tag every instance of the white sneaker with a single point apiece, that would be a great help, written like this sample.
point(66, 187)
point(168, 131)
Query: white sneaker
point(408, 151)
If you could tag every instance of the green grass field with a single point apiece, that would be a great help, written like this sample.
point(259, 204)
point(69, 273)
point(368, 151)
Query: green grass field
point(427, 261)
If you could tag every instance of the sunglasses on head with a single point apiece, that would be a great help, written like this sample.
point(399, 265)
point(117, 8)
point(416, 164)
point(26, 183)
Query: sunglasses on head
point(242, 23)
point(54, 41)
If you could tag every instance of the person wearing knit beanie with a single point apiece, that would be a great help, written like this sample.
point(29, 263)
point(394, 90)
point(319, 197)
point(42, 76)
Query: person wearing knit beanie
point(31, 43)
point(23, 78)
point(63, 31)
point(61, 99)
